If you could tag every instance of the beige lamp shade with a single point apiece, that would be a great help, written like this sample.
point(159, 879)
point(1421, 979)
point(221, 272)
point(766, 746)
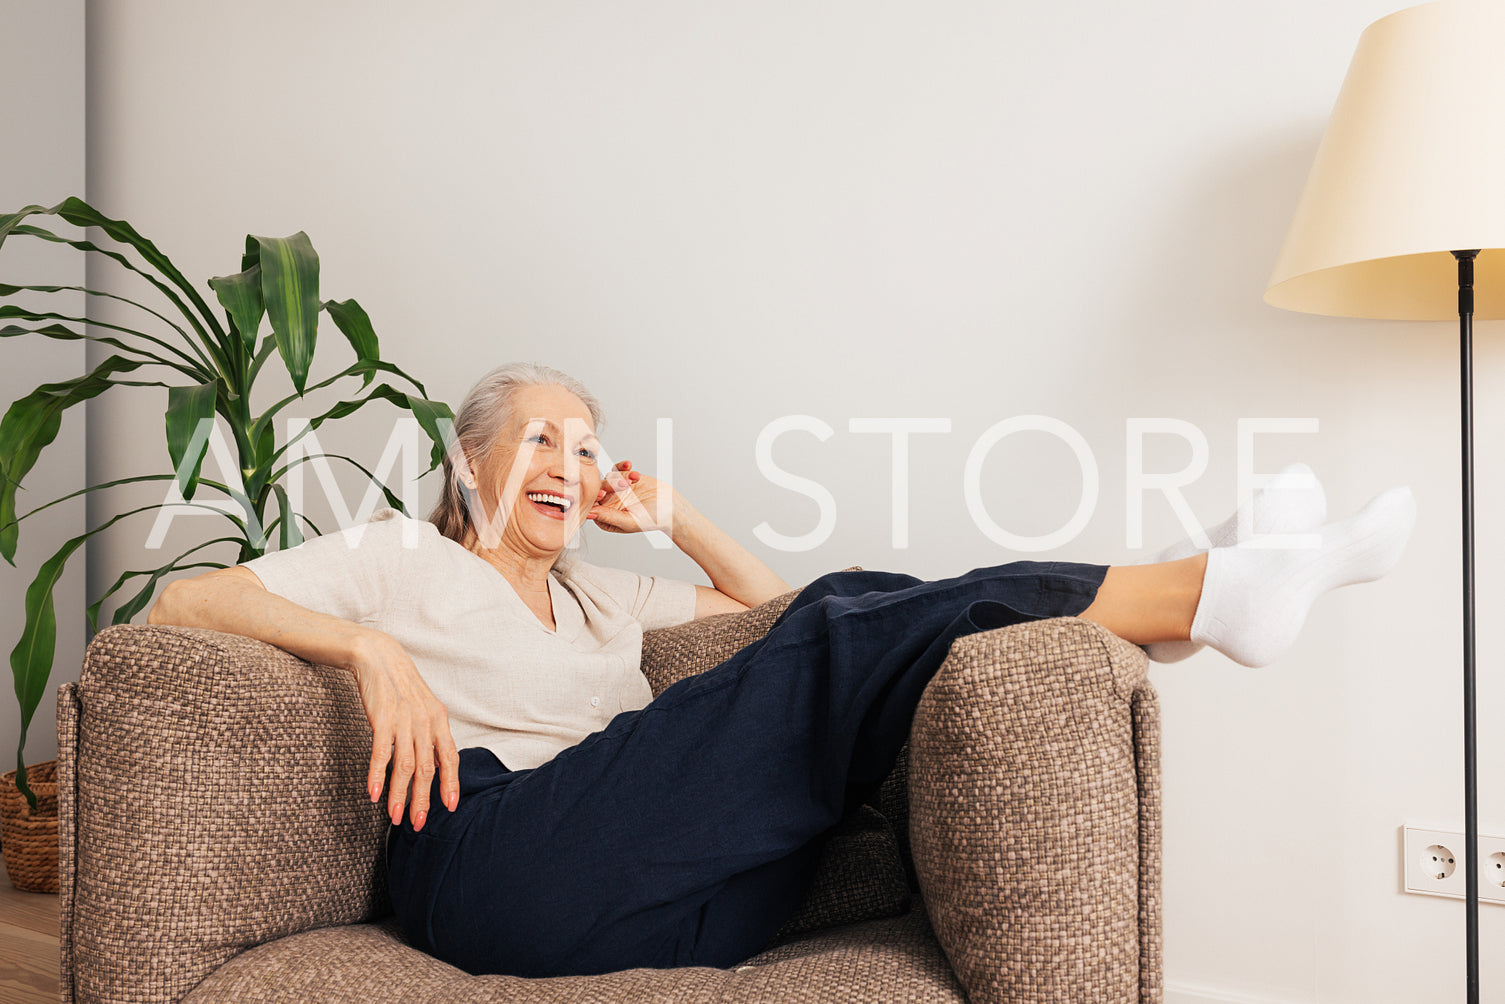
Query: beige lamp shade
point(1411, 168)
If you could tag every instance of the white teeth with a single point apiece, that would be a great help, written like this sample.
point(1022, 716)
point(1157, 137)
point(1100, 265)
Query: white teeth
point(549, 499)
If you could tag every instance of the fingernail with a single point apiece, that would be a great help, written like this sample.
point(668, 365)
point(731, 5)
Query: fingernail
point(418, 820)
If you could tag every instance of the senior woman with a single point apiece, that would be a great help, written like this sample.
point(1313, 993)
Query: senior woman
point(562, 821)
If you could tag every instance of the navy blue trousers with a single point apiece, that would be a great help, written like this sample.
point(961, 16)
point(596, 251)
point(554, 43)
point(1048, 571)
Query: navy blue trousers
point(686, 833)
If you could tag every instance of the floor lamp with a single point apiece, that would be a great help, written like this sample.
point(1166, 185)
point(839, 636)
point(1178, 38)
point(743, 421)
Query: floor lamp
point(1403, 213)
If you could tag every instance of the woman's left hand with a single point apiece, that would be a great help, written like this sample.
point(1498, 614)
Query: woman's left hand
point(632, 502)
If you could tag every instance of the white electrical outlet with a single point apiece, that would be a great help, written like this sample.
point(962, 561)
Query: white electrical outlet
point(1432, 864)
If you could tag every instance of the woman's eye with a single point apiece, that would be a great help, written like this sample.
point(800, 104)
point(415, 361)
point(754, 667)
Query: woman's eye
point(539, 438)
point(587, 454)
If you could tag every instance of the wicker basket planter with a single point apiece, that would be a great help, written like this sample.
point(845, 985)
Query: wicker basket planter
point(29, 838)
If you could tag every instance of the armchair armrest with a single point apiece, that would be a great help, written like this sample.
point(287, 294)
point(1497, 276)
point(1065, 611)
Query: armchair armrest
point(1035, 814)
point(213, 798)
point(672, 654)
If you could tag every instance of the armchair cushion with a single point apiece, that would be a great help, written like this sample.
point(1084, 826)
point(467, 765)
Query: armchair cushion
point(878, 962)
point(859, 877)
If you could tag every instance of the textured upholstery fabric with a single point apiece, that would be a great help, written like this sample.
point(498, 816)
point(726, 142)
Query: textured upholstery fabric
point(879, 962)
point(1146, 706)
point(1025, 813)
point(67, 792)
point(859, 877)
point(219, 804)
point(671, 654)
point(183, 755)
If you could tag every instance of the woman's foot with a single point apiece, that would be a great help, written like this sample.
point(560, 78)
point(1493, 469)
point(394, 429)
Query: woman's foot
point(1255, 599)
point(1290, 502)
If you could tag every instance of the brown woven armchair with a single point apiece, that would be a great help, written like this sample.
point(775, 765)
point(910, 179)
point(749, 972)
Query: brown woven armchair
point(217, 844)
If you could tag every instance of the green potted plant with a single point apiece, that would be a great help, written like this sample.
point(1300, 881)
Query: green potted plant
point(208, 364)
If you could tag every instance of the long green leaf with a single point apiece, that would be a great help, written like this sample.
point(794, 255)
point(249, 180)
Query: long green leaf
point(353, 323)
point(17, 312)
point(11, 310)
point(311, 525)
point(63, 333)
point(268, 346)
point(288, 533)
point(290, 288)
point(6, 290)
point(10, 221)
point(240, 295)
point(263, 451)
point(435, 418)
point(81, 214)
point(31, 424)
point(356, 326)
point(140, 383)
point(94, 488)
point(31, 659)
point(392, 499)
point(215, 359)
point(252, 256)
point(430, 415)
point(190, 419)
point(233, 495)
point(398, 371)
point(187, 368)
point(353, 369)
point(92, 613)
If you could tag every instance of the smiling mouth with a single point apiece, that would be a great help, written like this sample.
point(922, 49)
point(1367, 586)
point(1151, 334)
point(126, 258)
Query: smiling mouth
point(550, 504)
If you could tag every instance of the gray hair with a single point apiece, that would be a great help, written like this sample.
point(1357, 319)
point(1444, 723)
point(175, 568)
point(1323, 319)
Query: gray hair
point(483, 414)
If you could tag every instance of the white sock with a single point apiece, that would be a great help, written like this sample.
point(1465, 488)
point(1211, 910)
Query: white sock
point(1255, 599)
point(1290, 502)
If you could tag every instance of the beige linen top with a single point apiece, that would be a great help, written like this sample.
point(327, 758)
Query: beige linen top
point(509, 683)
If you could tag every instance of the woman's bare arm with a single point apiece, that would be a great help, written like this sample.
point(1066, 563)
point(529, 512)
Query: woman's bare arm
point(629, 502)
point(409, 726)
point(741, 580)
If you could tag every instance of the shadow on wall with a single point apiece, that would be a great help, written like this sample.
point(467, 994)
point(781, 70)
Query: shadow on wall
point(1191, 299)
point(1197, 277)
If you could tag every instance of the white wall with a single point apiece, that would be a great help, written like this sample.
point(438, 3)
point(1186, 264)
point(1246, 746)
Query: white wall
point(727, 213)
point(42, 113)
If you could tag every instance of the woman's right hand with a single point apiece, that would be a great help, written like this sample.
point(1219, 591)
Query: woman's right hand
point(409, 727)
point(409, 730)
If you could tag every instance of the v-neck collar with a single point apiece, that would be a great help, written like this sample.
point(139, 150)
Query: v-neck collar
point(567, 621)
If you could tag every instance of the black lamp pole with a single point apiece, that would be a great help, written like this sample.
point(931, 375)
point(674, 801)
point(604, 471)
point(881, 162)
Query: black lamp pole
point(1470, 769)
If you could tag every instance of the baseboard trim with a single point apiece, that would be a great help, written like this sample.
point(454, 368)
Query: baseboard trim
point(1185, 993)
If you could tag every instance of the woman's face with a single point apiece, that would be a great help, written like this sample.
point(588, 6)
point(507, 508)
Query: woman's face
point(543, 470)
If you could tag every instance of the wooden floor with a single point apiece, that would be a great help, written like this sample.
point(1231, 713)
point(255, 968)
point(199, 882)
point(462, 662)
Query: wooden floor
point(28, 946)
